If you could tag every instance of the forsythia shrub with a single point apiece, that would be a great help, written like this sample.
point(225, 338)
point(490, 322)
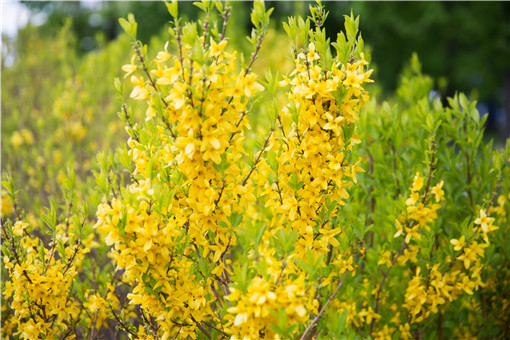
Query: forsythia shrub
point(348, 218)
point(52, 114)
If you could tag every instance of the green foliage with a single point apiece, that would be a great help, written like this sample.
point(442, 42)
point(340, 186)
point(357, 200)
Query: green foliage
point(64, 154)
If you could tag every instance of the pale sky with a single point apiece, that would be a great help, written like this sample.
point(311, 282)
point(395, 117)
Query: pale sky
point(14, 15)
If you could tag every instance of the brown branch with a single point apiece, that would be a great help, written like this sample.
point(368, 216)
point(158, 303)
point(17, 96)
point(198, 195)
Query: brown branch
point(307, 65)
point(146, 71)
point(279, 191)
point(318, 316)
point(221, 194)
point(226, 15)
point(493, 194)
point(431, 170)
point(378, 296)
point(254, 54)
point(468, 166)
point(280, 276)
point(69, 264)
point(281, 126)
point(330, 254)
point(150, 323)
point(219, 330)
point(202, 329)
point(121, 323)
point(204, 89)
point(206, 29)
point(70, 328)
point(130, 124)
point(110, 184)
point(215, 292)
point(419, 333)
point(15, 252)
point(258, 157)
point(237, 125)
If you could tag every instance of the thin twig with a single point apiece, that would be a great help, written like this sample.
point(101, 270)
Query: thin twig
point(226, 15)
point(281, 126)
point(254, 54)
point(70, 263)
point(221, 194)
point(153, 83)
point(431, 170)
point(219, 330)
point(130, 124)
point(121, 323)
point(202, 329)
point(468, 169)
point(258, 157)
point(317, 318)
point(378, 296)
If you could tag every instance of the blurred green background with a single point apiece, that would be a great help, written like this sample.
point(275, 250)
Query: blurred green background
point(465, 46)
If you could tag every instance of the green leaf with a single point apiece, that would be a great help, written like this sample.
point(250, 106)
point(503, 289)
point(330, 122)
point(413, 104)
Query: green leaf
point(126, 26)
point(351, 28)
point(117, 84)
point(235, 219)
point(201, 5)
point(172, 8)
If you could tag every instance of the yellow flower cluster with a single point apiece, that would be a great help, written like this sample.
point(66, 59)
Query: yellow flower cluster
point(314, 169)
point(24, 136)
point(440, 285)
point(497, 304)
point(501, 209)
point(174, 225)
point(304, 188)
point(258, 308)
point(40, 288)
point(98, 306)
point(6, 205)
point(421, 210)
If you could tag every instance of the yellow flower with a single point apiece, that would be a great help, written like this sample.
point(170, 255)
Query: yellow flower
point(130, 68)
point(251, 87)
point(385, 258)
point(472, 253)
point(28, 137)
point(405, 332)
point(417, 182)
point(438, 191)
point(19, 227)
point(163, 55)
point(17, 139)
point(484, 221)
point(215, 48)
point(6, 205)
point(458, 244)
point(139, 91)
point(369, 315)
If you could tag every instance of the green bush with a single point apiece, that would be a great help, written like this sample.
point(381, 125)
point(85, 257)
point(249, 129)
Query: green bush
point(245, 204)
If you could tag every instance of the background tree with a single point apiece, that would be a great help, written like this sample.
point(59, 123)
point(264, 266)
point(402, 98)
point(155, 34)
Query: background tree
point(465, 45)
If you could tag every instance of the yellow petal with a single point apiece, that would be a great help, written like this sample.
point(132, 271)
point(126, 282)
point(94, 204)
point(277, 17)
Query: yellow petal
point(240, 319)
point(190, 148)
point(300, 310)
point(215, 143)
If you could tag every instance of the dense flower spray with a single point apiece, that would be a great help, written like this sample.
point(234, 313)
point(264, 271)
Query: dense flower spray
point(333, 217)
